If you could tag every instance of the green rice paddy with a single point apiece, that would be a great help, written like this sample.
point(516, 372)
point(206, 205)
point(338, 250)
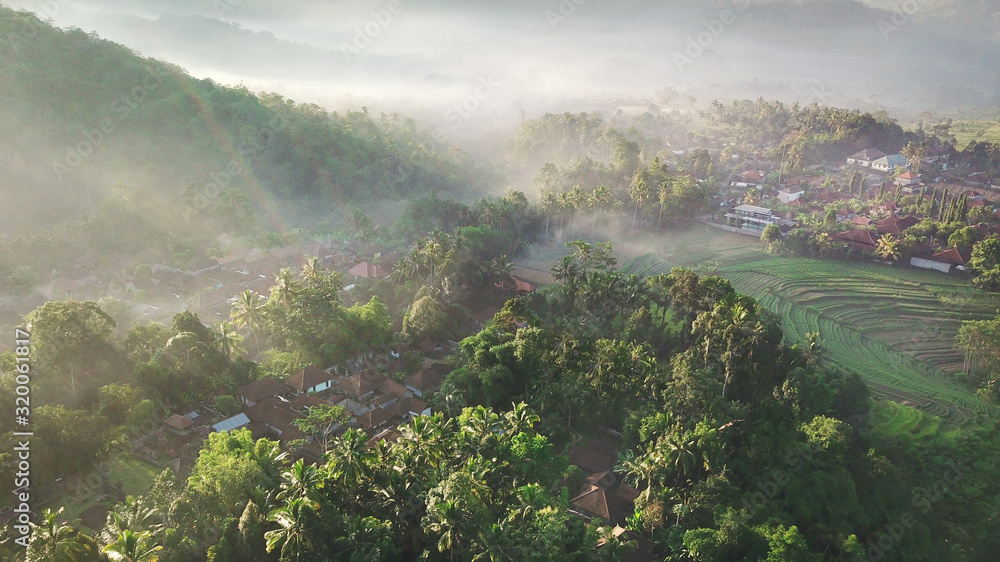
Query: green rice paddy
point(893, 325)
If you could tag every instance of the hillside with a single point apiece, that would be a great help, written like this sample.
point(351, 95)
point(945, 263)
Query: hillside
point(81, 114)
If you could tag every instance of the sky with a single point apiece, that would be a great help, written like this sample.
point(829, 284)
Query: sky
point(474, 64)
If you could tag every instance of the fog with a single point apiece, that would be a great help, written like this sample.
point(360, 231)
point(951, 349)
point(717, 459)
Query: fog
point(472, 66)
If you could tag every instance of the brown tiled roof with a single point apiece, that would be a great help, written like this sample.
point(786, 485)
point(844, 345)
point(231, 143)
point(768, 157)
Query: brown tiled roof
point(895, 225)
point(378, 416)
point(178, 421)
point(951, 256)
point(277, 414)
point(857, 239)
point(361, 383)
point(389, 435)
point(485, 315)
point(307, 378)
point(601, 503)
point(392, 388)
point(589, 460)
point(869, 154)
point(411, 404)
point(261, 389)
point(429, 346)
point(368, 270)
point(429, 378)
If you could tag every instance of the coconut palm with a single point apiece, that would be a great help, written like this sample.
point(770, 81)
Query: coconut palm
point(130, 546)
point(249, 310)
point(312, 270)
point(285, 286)
point(888, 248)
point(751, 197)
point(55, 541)
point(291, 538)
point(228, 338)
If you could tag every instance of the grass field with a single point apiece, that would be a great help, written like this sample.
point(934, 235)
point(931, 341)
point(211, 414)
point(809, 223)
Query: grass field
point(136, 476)
point(894, 326)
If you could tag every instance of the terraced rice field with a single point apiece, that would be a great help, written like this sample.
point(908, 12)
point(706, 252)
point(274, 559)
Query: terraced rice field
point(895, 326)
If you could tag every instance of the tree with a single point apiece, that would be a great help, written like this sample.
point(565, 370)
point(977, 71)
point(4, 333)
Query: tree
point(54, 541)
point(321, 422)
point(427, 318)
point(130, 546)
point(888, 248)
point(285, 287)
point(985, 263)
point(772, 237)
point(292, 538)
point(249, 310)
point(228, 339)
point(751, 197)
point(963, 239)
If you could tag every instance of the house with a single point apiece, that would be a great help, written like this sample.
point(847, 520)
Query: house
point(258, 390)
point(944, 261)
point(845, 215)
point(310, 379)
point(588, 460)
point(598, 499)
point(278, 416)
point(895, 225)
point(181, 425)
point(368, 270)
point(751, 177)
point(197, 266)
point(866, 157)
point(361, 386)
point(523, 285)
point(861, 221)
point(643, 551)
point(750, 219)
point(429, 346)
point(427, 380)
point(232, 424)
point(484, 316)
point(936, 154)
point(857, 240)
point(907, 179)
point(790, 194)
point(888, 164)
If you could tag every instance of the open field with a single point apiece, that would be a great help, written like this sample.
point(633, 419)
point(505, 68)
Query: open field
point(894, 326)
point(136, 477)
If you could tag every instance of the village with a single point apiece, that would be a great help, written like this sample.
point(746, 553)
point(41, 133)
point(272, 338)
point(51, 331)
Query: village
point(883, 205)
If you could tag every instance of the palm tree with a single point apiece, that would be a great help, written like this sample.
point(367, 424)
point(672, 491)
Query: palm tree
point(519, 419)
point(575, 198)
point(299, 480)
point(447, 521)
point(888, 248)
point(285, 286)
point(350, 462)
point(567, 271)
point(312, 270)
point(638, 192)
point(599, 198)
point(248, 310)
point(228, 338)
point(645, 468)
point(292, 535)
point(130, 546)
point(751, 197)
point(502, 269)
point(824, 243)
point(53, 541)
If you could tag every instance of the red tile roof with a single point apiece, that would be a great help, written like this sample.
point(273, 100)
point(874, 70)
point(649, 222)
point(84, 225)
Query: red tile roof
point(951, 256)
point(307, 378)
point(368, 270)
point(261, 389)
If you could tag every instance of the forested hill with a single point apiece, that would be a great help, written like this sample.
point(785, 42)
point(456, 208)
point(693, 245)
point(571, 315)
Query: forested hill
point(80, 114)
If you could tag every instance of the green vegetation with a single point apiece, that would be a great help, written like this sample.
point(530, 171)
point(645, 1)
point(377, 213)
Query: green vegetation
point(895, 327)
